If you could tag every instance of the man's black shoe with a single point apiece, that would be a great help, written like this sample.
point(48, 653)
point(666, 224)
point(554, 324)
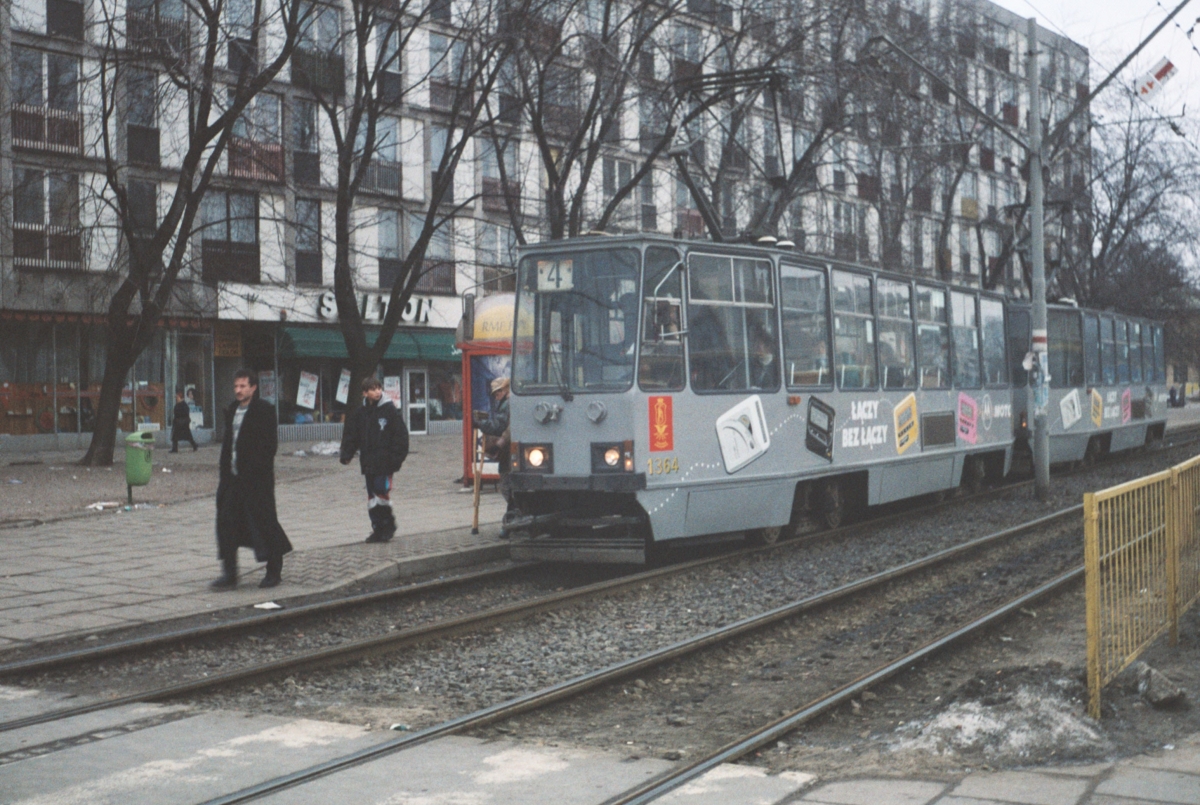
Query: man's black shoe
point(224, 583)
point(270, 580)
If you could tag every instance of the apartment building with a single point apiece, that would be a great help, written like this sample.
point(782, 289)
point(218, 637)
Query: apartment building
point(257, 287)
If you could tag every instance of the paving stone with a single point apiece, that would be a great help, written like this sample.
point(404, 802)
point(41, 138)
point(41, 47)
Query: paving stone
point(1084, 770)
point(875, 792)
point(1153, 785)
point(1182, 759)
point(1027, 788)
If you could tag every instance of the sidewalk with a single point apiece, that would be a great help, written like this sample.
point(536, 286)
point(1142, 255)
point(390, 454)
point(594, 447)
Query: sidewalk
point(127, 568)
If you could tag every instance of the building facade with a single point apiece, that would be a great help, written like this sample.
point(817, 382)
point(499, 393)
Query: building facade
point(257, 287)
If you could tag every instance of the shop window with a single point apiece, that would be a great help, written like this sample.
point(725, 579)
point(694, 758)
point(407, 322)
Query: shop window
point(660, 366)
point(445, 392)
point(995, 364)
point(141, 129)
point(853, 331)
point(46, 230)
point(732, 341)
point(964, 334)
point(45, 110)
point(1065, 349)
point(804, 297)
point(897, 362)
point(306, 159)
point(230, 237)
point(308, 242)
point(933, 338)
point(317, 63)
point(255, 151)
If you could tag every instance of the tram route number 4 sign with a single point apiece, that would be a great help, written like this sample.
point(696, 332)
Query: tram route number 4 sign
point(555, 275)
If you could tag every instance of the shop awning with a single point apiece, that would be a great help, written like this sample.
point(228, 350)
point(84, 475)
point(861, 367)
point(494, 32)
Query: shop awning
point(327, 342)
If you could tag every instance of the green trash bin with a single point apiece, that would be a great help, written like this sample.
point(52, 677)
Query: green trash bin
point(139, 460)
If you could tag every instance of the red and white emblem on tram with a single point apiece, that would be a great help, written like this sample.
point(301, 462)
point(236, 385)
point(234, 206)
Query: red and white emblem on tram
point(662, 427)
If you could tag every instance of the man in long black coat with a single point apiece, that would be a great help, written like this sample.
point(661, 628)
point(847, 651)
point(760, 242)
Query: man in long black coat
point(181, 424)
point(246, 515)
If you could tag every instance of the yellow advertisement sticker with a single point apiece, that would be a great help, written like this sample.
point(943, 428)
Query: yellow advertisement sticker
point(1097, 408)
point(907, 428)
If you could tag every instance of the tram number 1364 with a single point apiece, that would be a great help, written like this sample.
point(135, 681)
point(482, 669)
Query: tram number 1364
point(662, 466)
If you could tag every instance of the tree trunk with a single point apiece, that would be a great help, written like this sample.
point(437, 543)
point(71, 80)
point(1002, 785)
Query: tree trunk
point(117, 364)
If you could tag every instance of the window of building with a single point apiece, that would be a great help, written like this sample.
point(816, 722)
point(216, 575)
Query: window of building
point(853, 331)
point(496, 256)
point(46, 231)
point(45, 114)
point(618, 173)
point(143, 207)
point(964, 334)
point(255, 151)
point(731, 324)
point(995, 359)
point(660, 366)
point(1065, 348)
point(897, 360)
point(308, 242)
point(389, 246)
point(317, 63)
point(141, 131)
point(805, 299)
point(229, 237)
point(240, 17)
point(1092, 350)
point(438, 269)
point(933, 338)
point(649, 207)
point(306, 160)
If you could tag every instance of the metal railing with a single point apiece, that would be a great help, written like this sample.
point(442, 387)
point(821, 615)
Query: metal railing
point(1142, 557)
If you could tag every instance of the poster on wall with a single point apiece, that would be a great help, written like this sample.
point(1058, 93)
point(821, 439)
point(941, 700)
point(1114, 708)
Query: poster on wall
point(391, 391)
point(343, 388)
point(306, 392)
point(195, 412)
point(267, 387)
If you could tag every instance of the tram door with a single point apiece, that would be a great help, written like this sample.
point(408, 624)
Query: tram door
point(416, 384)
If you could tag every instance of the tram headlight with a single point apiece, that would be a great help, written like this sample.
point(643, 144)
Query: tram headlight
point(538, 458)
point(612, 456)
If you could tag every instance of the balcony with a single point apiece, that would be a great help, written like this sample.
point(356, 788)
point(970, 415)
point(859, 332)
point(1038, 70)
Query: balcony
point(319, 73)
point(497, 194)
point(437, 276)
point(306, 168)
point(142, 145)
point(64, 18)
point(254, 160)
point(37, 246)
point(164, 37)
point(226, 261)
point(43, 128)
point(382, 176)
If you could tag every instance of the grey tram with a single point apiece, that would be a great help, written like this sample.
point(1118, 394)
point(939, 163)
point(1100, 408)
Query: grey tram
point(667, 390)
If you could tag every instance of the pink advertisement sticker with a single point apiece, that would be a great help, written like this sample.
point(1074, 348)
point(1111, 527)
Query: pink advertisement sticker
point(1126, 406)
point(968, 416)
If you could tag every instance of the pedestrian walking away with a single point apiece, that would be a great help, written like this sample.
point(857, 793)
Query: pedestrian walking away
point(246, 516)
point(377, 433)
point(181, 424)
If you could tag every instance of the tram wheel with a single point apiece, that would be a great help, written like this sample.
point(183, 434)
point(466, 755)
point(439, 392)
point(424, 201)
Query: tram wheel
point(974, 475)
point(831, 509)
point(765, 536)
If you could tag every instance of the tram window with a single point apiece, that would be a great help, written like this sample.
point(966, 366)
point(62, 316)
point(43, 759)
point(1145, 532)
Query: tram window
point(732, 340)
point(853, 331)
point(897, 364)
point(933, 338)
point(1018, 345)
point(1065, 348)
point(991, 319)
point(1160, 356)
point(802, 293)
point(1122, 352)
point(964, 331)
point(1108, 351)
point(660, 365)
point(1135, 352)
point(1091, 350)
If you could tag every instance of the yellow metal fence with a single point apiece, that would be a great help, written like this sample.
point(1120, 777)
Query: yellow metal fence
point(1142, 555)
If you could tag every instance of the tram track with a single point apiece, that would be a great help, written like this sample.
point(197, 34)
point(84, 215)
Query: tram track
point(685, 649)
point(355, 649)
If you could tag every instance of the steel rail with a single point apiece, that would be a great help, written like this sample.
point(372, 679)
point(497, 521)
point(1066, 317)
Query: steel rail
point(583, 683)
point(654, 789)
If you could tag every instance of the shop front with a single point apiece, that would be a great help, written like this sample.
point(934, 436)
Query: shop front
point(52, 364)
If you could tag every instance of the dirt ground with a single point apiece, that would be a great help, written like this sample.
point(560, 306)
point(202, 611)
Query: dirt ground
point(43, 486)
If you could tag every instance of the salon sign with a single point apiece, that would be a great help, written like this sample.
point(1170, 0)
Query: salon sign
point(373, 308)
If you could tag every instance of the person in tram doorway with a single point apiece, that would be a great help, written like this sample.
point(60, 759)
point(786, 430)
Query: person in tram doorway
point(377, 433)
point(495, 423)
point(246, 515)
point(181, 424)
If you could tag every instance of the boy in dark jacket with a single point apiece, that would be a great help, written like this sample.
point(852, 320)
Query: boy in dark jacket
point(376, 432)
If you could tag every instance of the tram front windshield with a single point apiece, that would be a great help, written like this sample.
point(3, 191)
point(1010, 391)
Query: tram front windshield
point(576, 322)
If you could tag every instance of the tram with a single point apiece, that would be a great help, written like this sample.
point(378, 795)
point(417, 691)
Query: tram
point(666, 390)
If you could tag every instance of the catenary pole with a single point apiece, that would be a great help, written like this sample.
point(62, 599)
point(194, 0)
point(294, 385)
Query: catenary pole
point(1041, 386)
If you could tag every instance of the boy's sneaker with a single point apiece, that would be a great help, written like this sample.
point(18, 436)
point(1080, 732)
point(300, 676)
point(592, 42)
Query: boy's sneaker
point(380, 536)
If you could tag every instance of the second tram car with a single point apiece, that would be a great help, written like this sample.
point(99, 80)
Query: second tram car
point(667, 390)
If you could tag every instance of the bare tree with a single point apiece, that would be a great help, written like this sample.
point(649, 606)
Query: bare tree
point(198, 64)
